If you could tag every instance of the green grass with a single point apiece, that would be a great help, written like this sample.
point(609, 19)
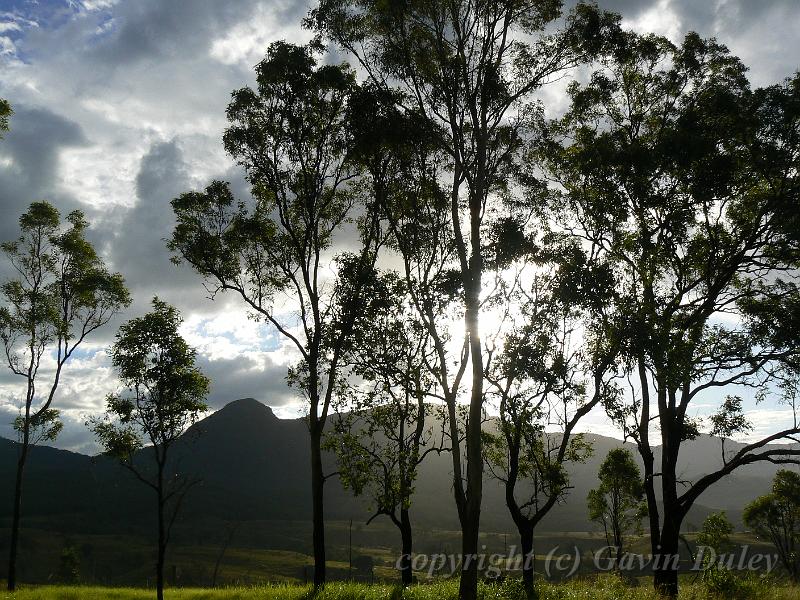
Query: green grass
point(601, 588)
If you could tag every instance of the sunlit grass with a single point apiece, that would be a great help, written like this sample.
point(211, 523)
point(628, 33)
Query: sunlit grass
point(602, 588)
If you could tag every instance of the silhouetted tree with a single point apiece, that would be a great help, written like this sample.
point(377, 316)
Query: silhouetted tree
point(387, 432)
point(684, 179)
point(543, 382)
point(5, 113)
point(60, 293)
point(467, 70)
point(776, 516)
point(616, 503)
point(165, 394)
point(291, 135)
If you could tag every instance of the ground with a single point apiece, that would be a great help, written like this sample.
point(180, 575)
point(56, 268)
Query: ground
point(601, 588)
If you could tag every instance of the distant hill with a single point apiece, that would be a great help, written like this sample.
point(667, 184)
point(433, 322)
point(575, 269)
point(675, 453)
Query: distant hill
point(254, 467)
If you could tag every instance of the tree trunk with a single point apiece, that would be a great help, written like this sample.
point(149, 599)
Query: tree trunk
point(15, 523)
point(470, 525)
point(162, 541)
point(468, 586)
point(318, 517)
point(406, 574)
point(665, 575)
point(528, 559)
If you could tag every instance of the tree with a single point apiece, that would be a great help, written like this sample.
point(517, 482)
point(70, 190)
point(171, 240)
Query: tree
point(467, 70)
point(165, 394)
point(776, 516)
point(5, 113)
point(61, 292)
point(616, 503)
point(69, 564)
point(291, 135)
point(683, 179)
point(715, 534)
point(387, 433)
point(539, 384)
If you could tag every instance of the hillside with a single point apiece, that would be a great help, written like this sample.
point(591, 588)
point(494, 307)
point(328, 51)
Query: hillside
point(254, 467)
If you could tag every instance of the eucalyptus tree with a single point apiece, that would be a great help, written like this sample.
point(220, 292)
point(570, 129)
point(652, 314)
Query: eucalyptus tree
point(386, 430)
point(776, 516)
point(165, 394)
point(552, 370)
point(291, 134)
point(684, 180)
point(468, 69)
point(59, 294)
point(616, 503)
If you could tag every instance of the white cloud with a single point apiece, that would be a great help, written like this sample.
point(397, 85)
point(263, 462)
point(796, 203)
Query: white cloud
point(661, 19)
point(246, 41)
point(131, 75)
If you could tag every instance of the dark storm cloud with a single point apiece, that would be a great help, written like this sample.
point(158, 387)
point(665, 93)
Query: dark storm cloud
point(158, 29)
point(139, 250)
point(245, 377)
point(142, 86)
point(30, 171)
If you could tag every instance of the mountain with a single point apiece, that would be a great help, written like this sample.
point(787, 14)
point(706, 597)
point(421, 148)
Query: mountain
point(254, 467)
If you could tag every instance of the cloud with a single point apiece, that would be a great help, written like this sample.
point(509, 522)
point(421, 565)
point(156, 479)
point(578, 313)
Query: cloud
point(29, 162)
point(120, 106)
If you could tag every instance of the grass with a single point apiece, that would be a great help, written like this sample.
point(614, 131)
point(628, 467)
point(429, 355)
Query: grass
point(600, 588)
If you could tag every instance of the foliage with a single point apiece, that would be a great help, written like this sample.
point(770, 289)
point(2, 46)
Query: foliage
point(386, 432)
point(43, 426)
point(468, 72)
point(59, 293)
point(776, 516)
point(165, 390)
point(728, 585)
point(681, 178)
point(617, 503)
point(715, 532)
point(165, 394)
point(69, 565)
point(291, 134)
point(5, 113)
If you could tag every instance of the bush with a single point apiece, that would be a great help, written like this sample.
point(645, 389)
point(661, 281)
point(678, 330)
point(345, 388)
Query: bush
point(723, 583)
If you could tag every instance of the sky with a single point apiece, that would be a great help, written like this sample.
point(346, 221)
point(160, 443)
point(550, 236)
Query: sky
point(119, 107)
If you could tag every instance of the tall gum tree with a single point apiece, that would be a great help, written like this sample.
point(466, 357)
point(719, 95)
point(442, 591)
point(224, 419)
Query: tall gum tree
point(59, 294)
point(467, 68)
point(685, 179)
point(291, 136)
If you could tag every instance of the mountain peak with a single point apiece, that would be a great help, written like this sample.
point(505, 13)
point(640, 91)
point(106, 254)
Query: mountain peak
point(248, 408)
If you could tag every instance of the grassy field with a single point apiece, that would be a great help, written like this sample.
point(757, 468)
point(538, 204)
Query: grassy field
point(601, 588)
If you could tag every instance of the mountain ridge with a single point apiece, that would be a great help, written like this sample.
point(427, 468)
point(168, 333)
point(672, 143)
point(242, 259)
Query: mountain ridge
point(253, 466)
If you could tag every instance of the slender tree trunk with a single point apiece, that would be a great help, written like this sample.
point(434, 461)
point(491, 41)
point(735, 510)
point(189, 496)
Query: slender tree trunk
point(528, 559)
point(231, 531)
point(15, 523)
point(317, 499)
point(470, 526)
point(406, 534)
point(162, 542)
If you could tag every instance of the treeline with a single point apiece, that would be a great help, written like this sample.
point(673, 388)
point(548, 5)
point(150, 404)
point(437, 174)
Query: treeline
point(426, 236)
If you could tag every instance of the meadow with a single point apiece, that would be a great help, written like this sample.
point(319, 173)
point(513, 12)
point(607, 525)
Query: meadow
point(599, 588)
